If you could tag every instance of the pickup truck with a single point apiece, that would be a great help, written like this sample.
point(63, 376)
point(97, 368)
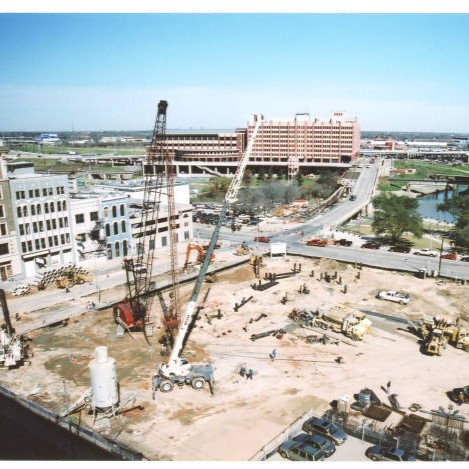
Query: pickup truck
point(426, 252)
point(391, 295)
point(317, 242)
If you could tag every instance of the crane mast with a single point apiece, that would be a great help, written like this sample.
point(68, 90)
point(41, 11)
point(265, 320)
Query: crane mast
point(177, 365)
point(158, 172)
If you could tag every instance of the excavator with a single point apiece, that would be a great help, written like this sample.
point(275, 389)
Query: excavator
point(200, 253)
point(177, 370)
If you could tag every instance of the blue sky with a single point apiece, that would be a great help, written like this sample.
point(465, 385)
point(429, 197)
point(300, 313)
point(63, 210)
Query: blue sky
point(401, 72)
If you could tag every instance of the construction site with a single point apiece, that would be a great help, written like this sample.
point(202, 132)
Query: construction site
point(224, 358)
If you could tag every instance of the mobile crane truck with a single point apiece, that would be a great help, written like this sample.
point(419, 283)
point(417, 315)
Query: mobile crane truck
point(177, 370)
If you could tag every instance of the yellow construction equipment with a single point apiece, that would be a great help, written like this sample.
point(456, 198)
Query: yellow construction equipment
point(438, 331)
point(70, 279)
point(336, 317)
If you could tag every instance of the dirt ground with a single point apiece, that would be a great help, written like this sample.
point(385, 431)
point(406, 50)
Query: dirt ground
point(243, 415)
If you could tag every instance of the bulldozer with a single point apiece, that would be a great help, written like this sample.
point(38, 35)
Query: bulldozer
point(69, 279)
point(438, 331)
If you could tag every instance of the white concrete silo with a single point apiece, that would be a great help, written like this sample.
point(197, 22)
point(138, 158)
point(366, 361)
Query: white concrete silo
point(103, 380)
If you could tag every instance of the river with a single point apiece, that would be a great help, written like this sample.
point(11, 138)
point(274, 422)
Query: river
point(428, 207)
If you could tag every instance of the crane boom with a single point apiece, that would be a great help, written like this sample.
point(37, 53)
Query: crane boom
point(175, 364)
point(134, 311)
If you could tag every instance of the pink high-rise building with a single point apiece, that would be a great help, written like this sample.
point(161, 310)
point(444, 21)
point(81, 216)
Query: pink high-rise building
point(305, 140)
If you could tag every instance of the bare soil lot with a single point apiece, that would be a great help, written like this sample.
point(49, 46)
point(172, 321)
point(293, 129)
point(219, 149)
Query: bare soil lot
point(243, 415)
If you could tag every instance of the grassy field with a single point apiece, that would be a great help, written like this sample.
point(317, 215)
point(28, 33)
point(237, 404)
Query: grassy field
point(424, 170)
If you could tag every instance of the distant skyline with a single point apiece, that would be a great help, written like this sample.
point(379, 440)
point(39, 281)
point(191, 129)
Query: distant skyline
point(394, 72)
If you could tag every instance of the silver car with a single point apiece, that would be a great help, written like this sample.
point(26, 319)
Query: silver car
point(325, 428)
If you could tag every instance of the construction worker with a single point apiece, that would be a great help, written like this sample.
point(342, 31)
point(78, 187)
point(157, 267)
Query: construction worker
point(249, 374)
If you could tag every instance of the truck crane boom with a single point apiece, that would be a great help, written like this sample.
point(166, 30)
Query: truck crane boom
point(178, 369)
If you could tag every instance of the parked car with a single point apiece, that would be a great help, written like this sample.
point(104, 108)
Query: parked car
point(459, 395)
point(380, 453)
point(325, 428)
point(426, 252)
point(399, 248)
point(317, 242)
point(449, 255)
point(318, 442)
point(465, 259)
point(262, 239)
point(391, 295)
point(343, 242)
point(298, 451)
point(370, 245)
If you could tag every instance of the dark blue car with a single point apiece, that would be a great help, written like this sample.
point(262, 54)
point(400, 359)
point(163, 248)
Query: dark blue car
point(381, 453)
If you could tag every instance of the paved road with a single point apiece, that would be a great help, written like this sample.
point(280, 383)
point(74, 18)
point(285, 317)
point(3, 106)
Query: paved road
point(337, 214)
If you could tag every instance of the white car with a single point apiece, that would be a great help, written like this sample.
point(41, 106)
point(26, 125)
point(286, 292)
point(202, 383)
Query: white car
point(391, 295)
point(426, 252)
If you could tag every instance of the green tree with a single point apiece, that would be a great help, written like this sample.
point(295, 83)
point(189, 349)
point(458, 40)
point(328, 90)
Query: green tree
point(458, 206)
point(395, 215)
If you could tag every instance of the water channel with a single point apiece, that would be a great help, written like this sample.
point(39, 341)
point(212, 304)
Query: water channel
point(428, 205)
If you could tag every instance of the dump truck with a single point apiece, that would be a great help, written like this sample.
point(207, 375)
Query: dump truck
point(336, 317)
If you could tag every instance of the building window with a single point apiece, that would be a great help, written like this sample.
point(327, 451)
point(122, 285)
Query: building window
point(54, 223)
point(61, 223)
point(43, 243)
point(66, 222)
point(3, 229)
point(19, 212)
point(106, 212)
point(123, 226)
point(41, 226)
point(50, 191)
point(114, 211)
point(37, 245)
point(44, 192)
point(25, 211)
point(108, 229)
point(21, 227)
point(52, 208)
point(94, 216)
point(33, 209)
point(109, 251)
point(20, 195)
point(37, 193)
point(4, 249)
point(125, 249)
point(116, 228)
point(46, 207)
point(48, 225)
point(30, 246)
point(79, 218)
point(34, 227)
point(117, 248)
point(186, 235)
point(164, 241)
point(23, 247)
point(122, 210)
point(38, 209)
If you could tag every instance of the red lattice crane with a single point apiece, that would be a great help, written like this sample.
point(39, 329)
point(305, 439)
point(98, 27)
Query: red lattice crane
point(134, 312)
